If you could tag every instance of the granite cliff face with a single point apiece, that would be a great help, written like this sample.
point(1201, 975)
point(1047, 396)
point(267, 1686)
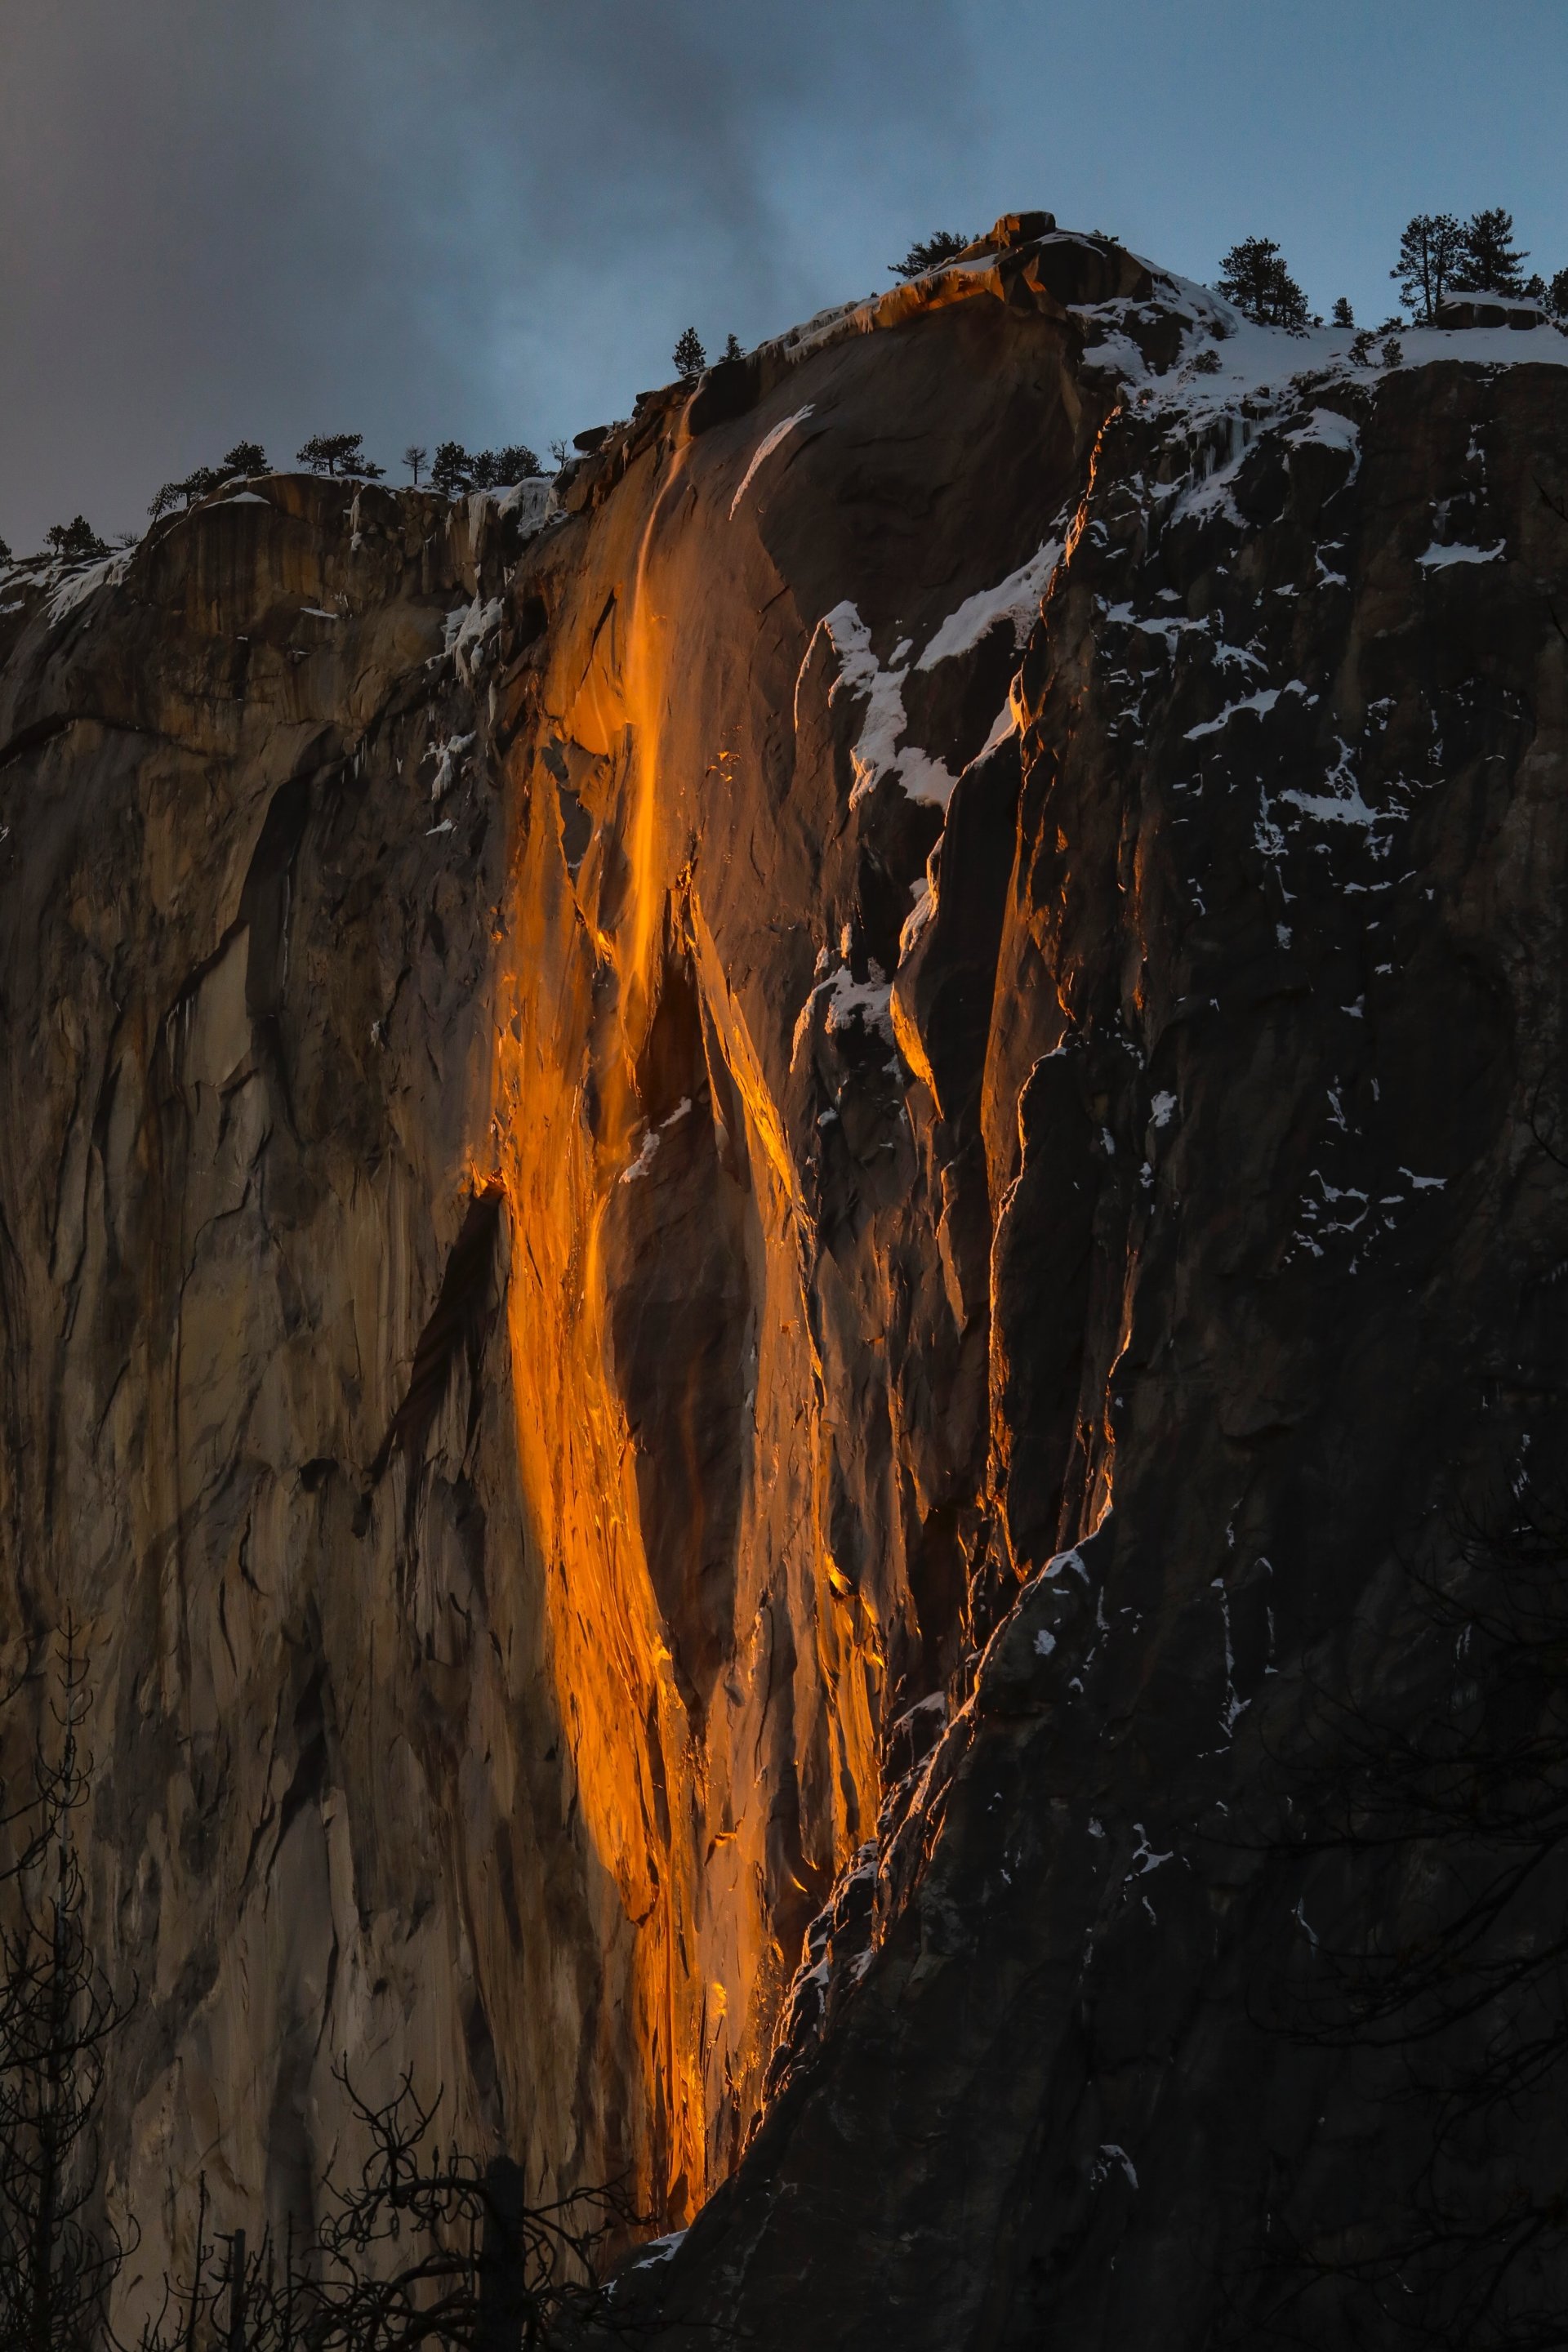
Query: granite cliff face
point(739, 1206)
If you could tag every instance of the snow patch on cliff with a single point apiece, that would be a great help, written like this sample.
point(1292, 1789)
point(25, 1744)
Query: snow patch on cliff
point(1329, 428)
point(451, 757)
point(468, 633)
point(1260, 705)
point(866, 1001)
point(1437, 559)
point(1017, 599)
point(649, 1146)
point(1340, 801)
point(532, 503)
point(925, 906)
point(1233, 372)
point(765, 450)
point(657, 2249)
point(880, 751)
point(78, 586)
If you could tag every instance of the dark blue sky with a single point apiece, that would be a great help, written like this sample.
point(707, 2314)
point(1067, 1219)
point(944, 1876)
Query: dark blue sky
point(430, 218)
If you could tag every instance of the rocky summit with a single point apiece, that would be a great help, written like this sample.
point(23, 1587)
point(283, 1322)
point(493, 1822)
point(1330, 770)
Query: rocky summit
point(755, 1210)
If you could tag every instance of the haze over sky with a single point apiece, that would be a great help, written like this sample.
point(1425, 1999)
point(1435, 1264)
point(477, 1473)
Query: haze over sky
point(489, 219)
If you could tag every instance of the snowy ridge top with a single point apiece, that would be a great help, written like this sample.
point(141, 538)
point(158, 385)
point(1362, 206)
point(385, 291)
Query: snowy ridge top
point(1272, 364)
point(1255, 362)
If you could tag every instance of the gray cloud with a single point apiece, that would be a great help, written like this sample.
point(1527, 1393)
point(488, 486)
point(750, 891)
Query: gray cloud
point(411, 219)
point(491, 219)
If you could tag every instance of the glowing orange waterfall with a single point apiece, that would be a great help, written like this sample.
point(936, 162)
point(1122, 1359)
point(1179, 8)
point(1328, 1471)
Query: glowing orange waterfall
point(703, 1671)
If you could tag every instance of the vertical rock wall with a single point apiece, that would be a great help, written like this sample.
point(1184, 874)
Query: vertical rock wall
point(475, 1341)
point(1269, 1093)
point(750, 1400)
point(711, 1236)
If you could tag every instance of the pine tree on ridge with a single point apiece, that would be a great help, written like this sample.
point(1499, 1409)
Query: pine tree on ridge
point(688, 356)
point(1431, 247)
point(931, 252)
point(1254, 277)
point(1487, 262)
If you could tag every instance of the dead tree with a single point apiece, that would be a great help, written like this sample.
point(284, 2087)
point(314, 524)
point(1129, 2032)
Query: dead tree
point(57, 2016)
point(427, 2247)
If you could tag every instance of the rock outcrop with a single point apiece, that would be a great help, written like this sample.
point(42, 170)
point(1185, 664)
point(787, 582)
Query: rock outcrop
point(742, 1210)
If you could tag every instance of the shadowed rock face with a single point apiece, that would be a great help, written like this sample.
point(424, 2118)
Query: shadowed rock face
point(743, 1220)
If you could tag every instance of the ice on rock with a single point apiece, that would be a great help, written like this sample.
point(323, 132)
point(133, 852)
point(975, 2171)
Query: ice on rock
point(468, 633)
point(451, 756)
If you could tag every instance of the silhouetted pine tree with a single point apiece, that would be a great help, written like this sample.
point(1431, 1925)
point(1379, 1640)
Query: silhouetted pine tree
point(497, 469)
point(1254, 277)
point(931, 252)
point(688, 356)
point(75, 541)
point(452, 470)
point(1430, 249)
point(1487, 262)
point(340, 453)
